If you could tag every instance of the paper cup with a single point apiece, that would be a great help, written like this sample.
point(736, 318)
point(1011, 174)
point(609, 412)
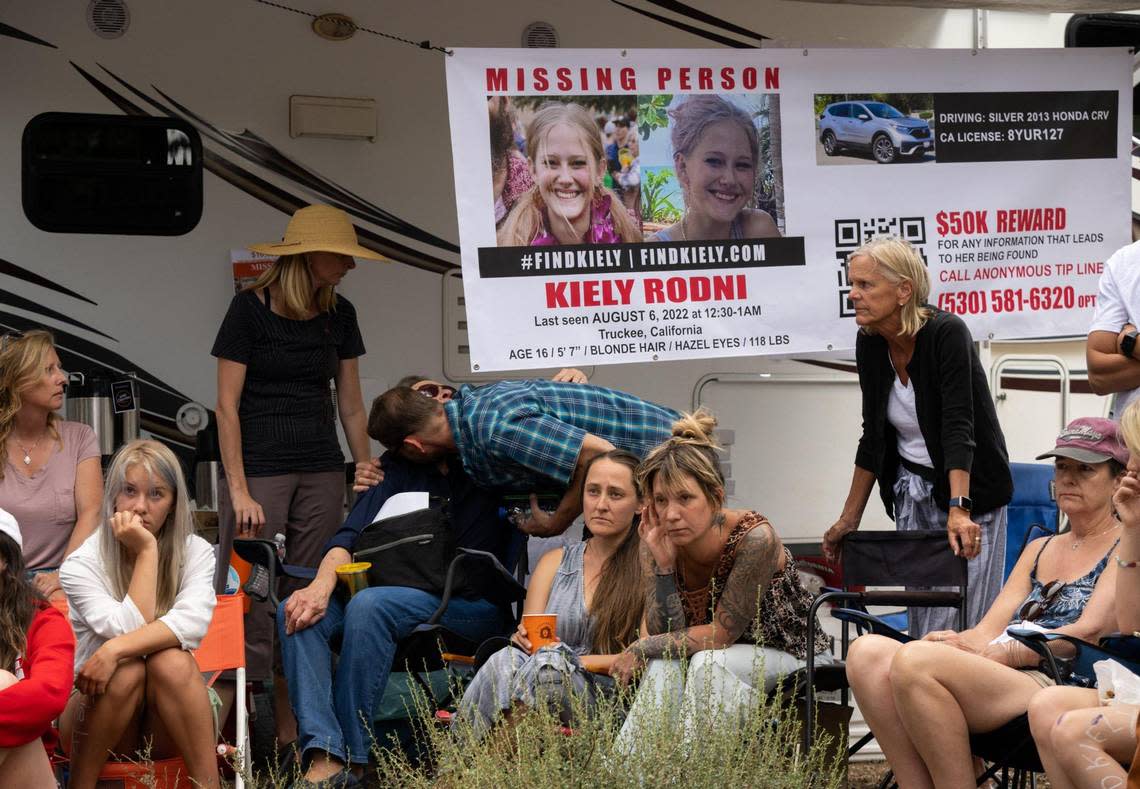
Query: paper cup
point(541, 629)
point(354, 576)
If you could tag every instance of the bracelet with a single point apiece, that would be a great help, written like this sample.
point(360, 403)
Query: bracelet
point(1126, 565)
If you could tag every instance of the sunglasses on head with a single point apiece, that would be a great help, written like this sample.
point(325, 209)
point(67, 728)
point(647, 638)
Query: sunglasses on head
point(1033, 609)
point(434, 390)
point(10, 336)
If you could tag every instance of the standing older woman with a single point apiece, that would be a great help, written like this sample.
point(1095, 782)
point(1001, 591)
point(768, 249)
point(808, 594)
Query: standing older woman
point(51, 480)
point(716, 156)
point(923, 699)
point(721, 590)
point(283, 340)
point(1081, 743)
point(931, 437)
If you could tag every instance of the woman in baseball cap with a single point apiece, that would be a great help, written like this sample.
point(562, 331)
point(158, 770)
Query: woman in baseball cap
point(921, 699)
point(1081, 741)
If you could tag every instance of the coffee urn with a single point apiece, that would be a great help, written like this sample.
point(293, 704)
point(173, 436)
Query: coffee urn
point(89, 402)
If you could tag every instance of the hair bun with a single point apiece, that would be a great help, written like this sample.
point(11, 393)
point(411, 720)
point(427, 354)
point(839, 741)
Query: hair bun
point(697, 427)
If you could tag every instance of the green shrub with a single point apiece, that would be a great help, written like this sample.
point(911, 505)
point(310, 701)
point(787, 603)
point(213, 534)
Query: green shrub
point(705, 748)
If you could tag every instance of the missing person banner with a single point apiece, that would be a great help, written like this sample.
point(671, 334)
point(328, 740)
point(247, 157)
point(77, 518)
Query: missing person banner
point(643, 205)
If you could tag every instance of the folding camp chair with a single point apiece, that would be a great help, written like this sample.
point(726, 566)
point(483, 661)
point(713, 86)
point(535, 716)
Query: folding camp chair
point(222, 649)
point(420, 653)
point(884, 559)
point(1010, 747)
point(1031, 512)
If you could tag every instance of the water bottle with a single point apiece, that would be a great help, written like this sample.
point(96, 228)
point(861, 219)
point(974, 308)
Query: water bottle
point(279, 541)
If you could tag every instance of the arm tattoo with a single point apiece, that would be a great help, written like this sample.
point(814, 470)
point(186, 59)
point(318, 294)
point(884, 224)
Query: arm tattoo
point(663, 611)
point(757, 559)
point(675, 646)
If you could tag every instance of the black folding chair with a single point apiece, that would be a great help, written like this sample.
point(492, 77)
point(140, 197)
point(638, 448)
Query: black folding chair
point(884, 559)
point(1068, 661)
point(421, 651)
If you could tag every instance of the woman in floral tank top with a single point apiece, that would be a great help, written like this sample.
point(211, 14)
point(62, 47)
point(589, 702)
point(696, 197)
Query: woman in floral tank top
point(722, 591)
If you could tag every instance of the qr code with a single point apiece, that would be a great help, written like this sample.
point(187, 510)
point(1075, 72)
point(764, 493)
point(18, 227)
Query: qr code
point(850, 234)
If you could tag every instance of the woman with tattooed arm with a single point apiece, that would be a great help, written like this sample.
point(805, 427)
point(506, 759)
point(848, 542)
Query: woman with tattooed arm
point(722, 591)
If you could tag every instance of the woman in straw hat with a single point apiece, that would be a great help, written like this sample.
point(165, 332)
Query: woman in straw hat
point(283, 340)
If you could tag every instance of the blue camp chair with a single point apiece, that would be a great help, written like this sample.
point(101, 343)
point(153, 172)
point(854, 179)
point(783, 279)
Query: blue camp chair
point(1032, 512)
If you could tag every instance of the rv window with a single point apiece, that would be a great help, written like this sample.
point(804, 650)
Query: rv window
point(112, 174)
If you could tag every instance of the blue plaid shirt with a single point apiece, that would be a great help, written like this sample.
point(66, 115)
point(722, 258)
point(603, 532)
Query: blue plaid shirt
point(520, 434)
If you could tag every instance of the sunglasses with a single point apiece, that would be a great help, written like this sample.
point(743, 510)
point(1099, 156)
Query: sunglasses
point(10, 336)
point(435, 390)
point(1033, 609)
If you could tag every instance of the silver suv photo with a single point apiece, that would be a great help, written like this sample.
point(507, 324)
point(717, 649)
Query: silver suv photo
point(873, 126)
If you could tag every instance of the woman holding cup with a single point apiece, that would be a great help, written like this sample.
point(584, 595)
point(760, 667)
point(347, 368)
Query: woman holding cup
point(593, 621)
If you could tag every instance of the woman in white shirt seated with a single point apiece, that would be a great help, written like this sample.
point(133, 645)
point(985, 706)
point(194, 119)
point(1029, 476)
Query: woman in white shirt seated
point(141, 596)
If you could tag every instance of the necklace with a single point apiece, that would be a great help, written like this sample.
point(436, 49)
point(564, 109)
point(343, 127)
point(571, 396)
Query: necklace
point(28, 452)
point(1078, 543)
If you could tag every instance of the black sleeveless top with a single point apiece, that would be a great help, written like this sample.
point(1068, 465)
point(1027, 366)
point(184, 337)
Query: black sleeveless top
point(288, 419)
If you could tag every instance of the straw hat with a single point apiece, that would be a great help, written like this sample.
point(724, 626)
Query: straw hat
point(319, 228)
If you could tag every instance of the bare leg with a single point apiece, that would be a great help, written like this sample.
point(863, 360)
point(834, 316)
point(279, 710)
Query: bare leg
point(1045, 708)
point(92, 727)
point(27, 764)
point(942, 694)
point(179, 714)
point(868, 672)
point(1091, 744)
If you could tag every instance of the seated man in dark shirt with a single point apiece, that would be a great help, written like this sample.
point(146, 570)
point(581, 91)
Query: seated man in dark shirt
point(521, 435)
point(332, 706)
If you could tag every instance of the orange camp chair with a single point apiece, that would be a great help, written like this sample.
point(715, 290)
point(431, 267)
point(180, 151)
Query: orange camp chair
point(222, 649)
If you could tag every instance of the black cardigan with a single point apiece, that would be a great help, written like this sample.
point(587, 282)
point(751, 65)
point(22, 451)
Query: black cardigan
point(955, 413)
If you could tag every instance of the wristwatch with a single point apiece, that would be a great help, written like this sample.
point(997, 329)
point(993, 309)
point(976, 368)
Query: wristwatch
point(965, 502)
point(1128, 343)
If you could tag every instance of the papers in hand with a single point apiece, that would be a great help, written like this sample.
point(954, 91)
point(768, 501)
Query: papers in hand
point(1024, 624)
point(402, 504)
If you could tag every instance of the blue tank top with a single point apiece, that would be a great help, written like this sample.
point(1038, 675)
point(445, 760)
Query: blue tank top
point(1067, 605)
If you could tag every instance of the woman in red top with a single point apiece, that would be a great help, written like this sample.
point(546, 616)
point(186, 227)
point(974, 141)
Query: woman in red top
point(37, 651)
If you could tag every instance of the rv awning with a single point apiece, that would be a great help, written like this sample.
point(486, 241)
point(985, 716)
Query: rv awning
point(1055, 6)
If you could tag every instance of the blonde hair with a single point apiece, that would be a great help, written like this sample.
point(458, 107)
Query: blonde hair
point(525, 221)
point(161, 464)
point(690, 453)
point(21, 367)
point(900, 262)
point(291, 274)
point(1130, 427)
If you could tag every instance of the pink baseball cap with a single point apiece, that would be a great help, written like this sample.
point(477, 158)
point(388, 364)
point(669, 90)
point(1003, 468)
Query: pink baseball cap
point(1090, 439)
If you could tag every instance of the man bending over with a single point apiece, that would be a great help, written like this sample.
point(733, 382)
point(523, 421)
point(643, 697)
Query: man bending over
point(521, 435)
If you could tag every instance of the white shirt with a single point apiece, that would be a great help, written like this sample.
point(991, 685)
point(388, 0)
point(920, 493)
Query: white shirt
point(97, 615)
point(903, 416)
point(1118, 303)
